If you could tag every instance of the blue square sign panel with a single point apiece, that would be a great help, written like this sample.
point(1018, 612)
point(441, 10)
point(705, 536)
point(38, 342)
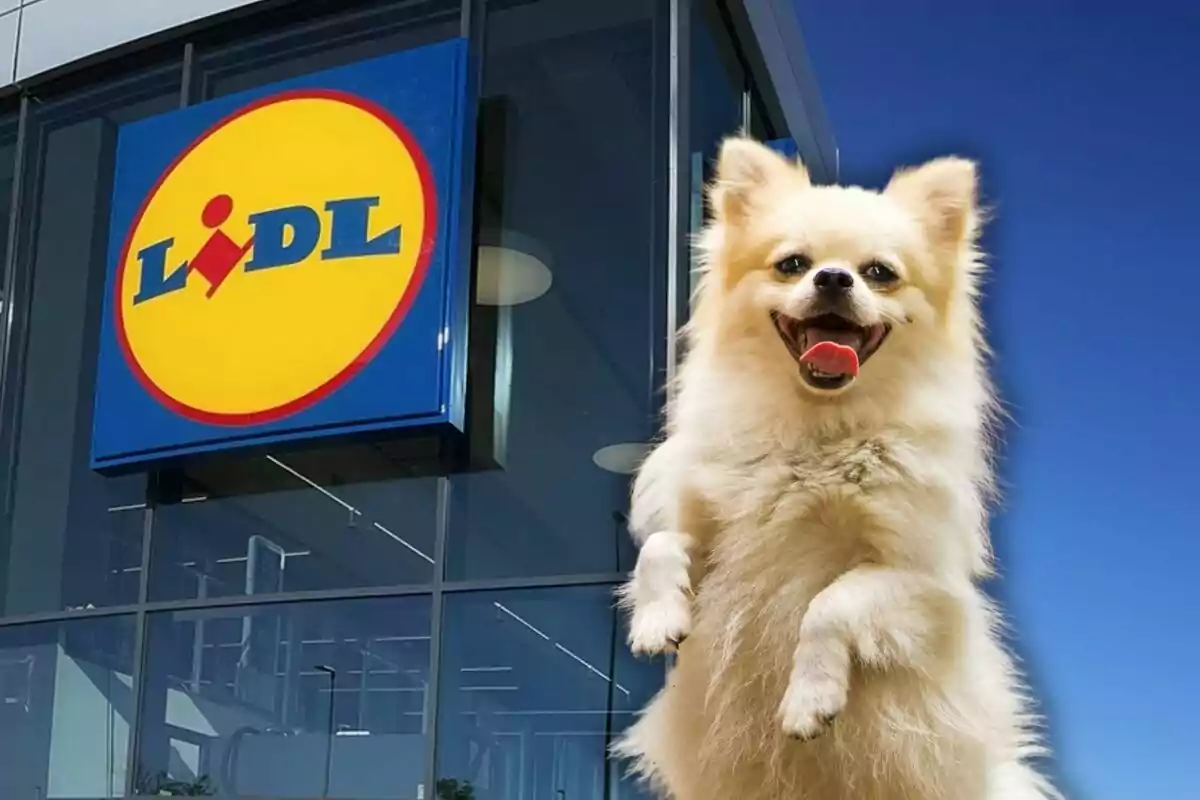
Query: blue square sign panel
point(290, 263)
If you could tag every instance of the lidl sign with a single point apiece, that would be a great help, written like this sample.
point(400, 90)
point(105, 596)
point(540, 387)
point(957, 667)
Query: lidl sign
point(289, 263)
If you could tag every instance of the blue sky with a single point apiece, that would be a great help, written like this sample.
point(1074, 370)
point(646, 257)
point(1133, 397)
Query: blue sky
point(1086, 126)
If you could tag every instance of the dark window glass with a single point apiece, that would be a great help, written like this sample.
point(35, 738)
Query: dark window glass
point(65, 708)
point(287, 700)
point(8, 170)
point(71, 537)
point(717, 80)
point(298, 536)
point(326, 44)
point(570, 209)
point(717, 105)
point(760, 123)
point(535, 686)
point(8, 167)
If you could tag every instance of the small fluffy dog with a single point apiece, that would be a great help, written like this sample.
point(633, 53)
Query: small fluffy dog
point(812, 534)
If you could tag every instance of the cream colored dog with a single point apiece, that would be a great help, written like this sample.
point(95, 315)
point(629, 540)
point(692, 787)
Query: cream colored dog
point(816, 532)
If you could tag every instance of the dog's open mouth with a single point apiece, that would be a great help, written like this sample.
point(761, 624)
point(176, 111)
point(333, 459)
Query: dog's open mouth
point(829, 348)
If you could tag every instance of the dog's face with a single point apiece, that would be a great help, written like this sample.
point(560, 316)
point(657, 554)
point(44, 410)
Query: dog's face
point(846, 283)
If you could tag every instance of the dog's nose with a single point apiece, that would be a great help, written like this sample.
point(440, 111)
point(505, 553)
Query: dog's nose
point(833, 281)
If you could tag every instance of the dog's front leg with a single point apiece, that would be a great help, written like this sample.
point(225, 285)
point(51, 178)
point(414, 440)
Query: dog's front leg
point(660, 593)
point(884, 617)
point(672, 527)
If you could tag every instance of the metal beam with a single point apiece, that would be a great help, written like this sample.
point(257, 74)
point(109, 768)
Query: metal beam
point(776, 30)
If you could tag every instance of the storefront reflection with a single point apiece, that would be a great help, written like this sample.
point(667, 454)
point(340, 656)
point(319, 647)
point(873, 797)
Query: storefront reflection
point(536, 685)
point(66, 704)
point(307, 533)
point(288, 700)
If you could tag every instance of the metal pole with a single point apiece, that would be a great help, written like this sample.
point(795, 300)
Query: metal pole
point(332, 673)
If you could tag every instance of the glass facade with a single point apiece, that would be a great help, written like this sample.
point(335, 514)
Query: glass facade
point(317, 699)
point(352, 622)
point(66, 702)
point(536, 685)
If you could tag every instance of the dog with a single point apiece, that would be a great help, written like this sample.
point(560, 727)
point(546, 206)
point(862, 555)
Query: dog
point(813, 524)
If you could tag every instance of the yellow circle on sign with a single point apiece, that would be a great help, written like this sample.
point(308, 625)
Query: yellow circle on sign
point(233, 341)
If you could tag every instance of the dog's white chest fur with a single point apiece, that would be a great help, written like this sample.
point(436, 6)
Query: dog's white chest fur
point(787, 523)
point(823, 506)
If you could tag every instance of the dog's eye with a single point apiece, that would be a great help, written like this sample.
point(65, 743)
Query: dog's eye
point(793, 265)
point(879, 272)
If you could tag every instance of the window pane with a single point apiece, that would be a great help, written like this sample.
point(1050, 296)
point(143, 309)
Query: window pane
point(570, 196)
point(72, 538)
point(8, 165)
point(287, 700)
point(65, 707)
point(717, 83)
point(8, 155)
point(535, 686)
point(760, 123)
point(717, 79)
point(296, 537)
point(326, 44)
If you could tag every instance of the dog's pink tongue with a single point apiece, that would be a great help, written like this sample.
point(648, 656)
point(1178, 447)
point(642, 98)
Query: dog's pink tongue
point(832, 357)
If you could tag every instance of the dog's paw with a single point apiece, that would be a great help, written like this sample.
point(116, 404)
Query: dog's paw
point(660, 595)
point(813, 700)
point(660, 625)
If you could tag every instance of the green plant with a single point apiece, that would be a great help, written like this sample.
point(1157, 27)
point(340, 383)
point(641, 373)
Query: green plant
point(160, 784)
point(451, 789)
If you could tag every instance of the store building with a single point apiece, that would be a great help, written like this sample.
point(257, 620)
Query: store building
point(397, 610)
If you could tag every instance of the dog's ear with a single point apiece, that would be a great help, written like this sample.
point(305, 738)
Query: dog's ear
point(944, 196)
point(744, 169)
